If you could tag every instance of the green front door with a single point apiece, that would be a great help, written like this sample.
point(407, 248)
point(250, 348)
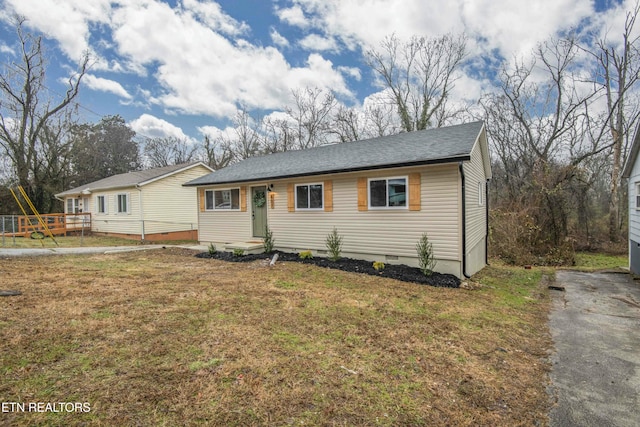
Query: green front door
point(259, 210)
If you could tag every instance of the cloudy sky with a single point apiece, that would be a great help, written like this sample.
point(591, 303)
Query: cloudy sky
point(182, 67)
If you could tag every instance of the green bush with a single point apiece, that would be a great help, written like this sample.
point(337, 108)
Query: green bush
point(212, 249)
point(268, 242)
point(425, 255)
point(334, 245)
point(378, 265)
point(305, 255)
point(238, 252)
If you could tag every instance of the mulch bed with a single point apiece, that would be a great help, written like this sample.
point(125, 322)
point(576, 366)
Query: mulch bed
point(391, 271)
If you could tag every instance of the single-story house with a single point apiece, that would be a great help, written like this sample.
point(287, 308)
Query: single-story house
point(380, 194)
point(631, 172)
point(148, 205)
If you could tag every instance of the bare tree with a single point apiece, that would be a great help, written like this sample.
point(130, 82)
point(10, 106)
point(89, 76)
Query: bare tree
point(245, 141)
point(539, 125)
point(311, 116)
point(217, 153)
point(353, 124)
point(25, 109)
point(617, 73)
point(420, 75)
point(168, 151)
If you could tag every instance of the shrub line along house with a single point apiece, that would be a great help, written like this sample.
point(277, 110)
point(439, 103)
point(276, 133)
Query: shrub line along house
point(380, 194)
point(631, 172)
point(148, 205)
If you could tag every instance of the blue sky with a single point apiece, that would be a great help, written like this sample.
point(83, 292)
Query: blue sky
point(182, 68)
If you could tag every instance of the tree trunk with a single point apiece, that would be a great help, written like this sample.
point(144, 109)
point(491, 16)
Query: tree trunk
point(614, 199)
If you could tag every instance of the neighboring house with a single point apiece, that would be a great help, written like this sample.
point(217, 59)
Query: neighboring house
point(381, 194)
point(151, 204)
point(632, 173)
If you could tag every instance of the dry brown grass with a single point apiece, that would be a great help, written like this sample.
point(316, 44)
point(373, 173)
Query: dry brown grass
point(164, 338)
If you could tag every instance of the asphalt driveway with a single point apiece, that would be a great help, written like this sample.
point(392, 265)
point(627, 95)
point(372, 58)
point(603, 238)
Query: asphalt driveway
point(595, 325)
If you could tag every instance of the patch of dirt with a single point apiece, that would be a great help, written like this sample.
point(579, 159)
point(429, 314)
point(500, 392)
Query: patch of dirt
point(390, 271)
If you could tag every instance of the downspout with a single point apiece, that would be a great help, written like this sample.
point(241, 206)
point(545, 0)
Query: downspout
point(464, 222)
point(141, 212)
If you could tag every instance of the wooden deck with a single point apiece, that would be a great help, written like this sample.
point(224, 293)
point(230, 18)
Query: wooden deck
point(59, 224)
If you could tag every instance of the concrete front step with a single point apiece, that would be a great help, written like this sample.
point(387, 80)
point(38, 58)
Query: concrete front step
point(249, 248)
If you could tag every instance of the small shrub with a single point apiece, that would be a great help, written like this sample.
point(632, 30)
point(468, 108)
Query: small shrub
point(212, 249)
point(305, 255)
point(378, 265)
point(238, 252)
point(425, 255)
point(334, 245)
point(268, 241)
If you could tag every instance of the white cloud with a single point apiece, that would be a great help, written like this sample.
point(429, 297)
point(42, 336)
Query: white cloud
point(277, 38)
point(202, 72)
point(293, 16)
point(319, 43)
point(502, 24)
point(211, 14)
point(47, 16)
point(6, 49)
point(152, 127)
point(106, 85)
point(352, 72)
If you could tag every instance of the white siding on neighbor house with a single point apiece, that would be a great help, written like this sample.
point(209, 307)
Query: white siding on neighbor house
point(112, 221)
point(168, 206)
point(634, 214)
point(476, 213)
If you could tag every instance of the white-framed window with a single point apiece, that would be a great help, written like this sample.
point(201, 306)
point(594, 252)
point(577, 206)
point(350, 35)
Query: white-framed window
point(101, 204)
point(222, 199)
point(309, 196)
point(123, 203)
point(388, 193)
point(637, 195)
point(480, 193)
point(73, 205)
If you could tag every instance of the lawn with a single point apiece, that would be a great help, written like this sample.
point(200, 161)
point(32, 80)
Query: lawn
point(164, 338)
point(76, 241)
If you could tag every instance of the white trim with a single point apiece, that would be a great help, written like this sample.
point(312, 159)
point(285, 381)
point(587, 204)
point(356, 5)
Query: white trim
point(481, 197)
point(295, 194)
point(105, 202)
point(127, 198)
point(387, 179)
point(638, 196)
point(168, 174)
point(213, 200)
point(75, 205)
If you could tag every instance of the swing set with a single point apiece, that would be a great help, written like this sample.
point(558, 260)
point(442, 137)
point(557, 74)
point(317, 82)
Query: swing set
point(36, 232)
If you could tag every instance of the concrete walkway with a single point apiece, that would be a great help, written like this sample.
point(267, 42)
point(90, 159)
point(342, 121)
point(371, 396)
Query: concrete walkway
point(15, 252)
point(595, 326)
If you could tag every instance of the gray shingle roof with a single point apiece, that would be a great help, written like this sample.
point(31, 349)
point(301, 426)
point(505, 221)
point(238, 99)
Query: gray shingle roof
point(453, 143)
point(128, 179)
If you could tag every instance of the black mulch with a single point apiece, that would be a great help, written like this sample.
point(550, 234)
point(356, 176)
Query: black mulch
point(392, 271)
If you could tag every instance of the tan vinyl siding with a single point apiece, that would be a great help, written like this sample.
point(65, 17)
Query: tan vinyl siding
point(376, 232)
point(476, 221)
point(226, 226)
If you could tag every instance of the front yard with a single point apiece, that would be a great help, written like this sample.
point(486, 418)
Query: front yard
point(165, 338)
